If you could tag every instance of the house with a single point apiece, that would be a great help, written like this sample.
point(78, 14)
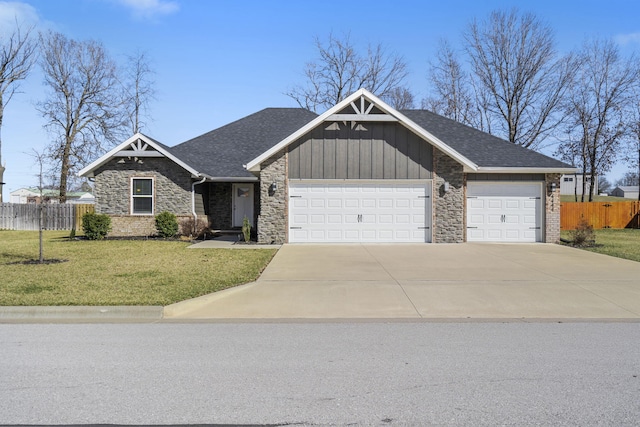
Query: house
point(32, 195)
point(628, 192)
point(360, 172)
point(572, 184)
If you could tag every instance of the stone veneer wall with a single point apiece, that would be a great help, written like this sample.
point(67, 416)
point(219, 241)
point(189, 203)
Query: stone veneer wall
point(272, 220)
point(172, 192)
point(552, 208)
point(449, 219)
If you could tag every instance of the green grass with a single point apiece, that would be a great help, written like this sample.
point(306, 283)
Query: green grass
point(572, 198)
point(117, 272)
point(618, 243)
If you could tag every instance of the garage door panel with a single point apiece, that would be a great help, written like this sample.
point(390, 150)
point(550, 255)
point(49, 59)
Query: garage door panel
point(360, 212)
point(493, 219)
point(510, 212)
point(512, 204)
point(351, 203)
point(494, 204)
point(368, 203)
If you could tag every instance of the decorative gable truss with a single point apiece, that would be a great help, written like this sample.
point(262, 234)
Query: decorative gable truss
point(361, 110)
point(137, 147)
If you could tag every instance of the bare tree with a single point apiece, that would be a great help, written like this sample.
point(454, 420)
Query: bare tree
point(604, 186)
point(452, 92)
point(340, 70)
point(18, 53)
point(40, 159)
point(597, 107)
point(633, 152)
point(629, 178)
point(517, 71)
point(83, 104)
point(139, 90)
point(400, 98)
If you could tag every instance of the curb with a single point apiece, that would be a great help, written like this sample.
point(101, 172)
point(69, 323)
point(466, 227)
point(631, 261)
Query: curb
point(183, 307)
point(81, 313)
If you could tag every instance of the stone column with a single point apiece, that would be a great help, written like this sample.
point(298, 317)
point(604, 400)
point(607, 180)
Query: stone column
point(272, 221)
point(552, 208)
point(448, 203)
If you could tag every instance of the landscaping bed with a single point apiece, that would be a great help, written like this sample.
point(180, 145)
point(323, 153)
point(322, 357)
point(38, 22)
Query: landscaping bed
point(117, 272)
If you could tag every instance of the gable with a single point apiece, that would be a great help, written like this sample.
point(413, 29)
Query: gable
point(137, 147)
point(369, 150)
point(475, 150)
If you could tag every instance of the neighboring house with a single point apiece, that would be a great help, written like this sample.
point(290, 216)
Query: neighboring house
point(360, 172)
point(32, 195)
point(628, 192)
point(572, 184)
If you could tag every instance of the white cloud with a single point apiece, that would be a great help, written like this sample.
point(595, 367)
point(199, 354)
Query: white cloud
point(12, 11)
point(625, 39)
point(151, 8)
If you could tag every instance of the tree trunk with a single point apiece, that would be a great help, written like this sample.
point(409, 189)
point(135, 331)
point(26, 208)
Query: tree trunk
point(1, 165)
point(64, 170)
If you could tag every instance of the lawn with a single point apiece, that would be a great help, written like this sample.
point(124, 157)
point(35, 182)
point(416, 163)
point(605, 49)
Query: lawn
point(623, 243)
point(117, 272)
point(596, 198)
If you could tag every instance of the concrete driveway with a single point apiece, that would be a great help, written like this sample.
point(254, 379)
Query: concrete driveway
point(437, 281)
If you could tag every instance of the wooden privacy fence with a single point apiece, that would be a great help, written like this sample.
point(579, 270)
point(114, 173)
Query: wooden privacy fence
point(600, 214)
point(21, 216)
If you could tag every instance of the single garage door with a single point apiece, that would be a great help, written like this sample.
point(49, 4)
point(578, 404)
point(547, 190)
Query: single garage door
point(333, 212)
point(504, 212)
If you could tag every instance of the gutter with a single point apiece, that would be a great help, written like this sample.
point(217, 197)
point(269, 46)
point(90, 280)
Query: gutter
point(193, 201)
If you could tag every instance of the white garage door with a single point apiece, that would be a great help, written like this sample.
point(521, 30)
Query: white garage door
point(504, 212)
point(359, 212)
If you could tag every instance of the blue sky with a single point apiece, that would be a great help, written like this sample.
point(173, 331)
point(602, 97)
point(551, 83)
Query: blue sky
point(217, 61)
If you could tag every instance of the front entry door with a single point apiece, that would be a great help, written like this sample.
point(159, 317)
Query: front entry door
point(242, 203)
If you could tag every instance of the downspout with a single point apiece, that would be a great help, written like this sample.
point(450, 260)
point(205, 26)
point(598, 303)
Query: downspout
point(193, 203)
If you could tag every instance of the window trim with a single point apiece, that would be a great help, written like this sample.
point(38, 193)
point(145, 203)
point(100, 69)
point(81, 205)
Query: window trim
point(152, 196)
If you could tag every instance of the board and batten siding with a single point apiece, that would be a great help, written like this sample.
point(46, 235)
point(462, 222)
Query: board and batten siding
point(366, 151)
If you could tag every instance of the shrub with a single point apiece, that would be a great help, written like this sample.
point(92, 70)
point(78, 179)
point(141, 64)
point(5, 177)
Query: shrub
point(246, 229)
point(583, 235)
point(166, 224)
point(193, 228)
point(96, 226)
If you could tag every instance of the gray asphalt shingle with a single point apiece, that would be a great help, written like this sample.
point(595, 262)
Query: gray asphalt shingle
point(223, 152)
point(480, 147)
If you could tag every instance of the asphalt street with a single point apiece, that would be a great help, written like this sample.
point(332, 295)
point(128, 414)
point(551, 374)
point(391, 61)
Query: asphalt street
point(399, 373)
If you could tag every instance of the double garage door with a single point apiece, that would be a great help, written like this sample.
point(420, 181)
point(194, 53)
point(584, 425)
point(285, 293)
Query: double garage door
point(393, 211)
point(359, 212)
point(504, 212)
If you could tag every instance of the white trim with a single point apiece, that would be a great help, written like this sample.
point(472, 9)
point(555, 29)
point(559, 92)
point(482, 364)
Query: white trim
point(254, 165)
point(358, 181)
point(523, 170)
point(153, 195)
point(233, 179)
point(87, 171)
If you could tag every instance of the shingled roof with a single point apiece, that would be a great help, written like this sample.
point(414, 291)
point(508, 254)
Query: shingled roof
point(483, 149)
point(222, 152)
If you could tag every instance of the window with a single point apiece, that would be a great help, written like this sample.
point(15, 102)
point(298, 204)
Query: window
point(568, 179)
point(142, 196)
